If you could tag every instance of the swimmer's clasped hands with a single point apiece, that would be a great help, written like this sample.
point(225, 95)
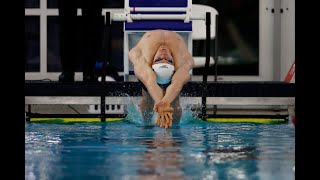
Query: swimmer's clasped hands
point(164, 116)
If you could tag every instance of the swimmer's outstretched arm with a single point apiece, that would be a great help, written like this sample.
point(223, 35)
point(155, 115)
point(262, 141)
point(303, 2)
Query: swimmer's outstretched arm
point(163, 107)
point(145, 74)
point(179, 79)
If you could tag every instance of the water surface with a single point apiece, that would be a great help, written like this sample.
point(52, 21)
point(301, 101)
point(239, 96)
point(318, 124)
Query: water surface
point(191, 150)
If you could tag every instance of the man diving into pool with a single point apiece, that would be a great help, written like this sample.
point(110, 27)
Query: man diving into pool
point(162, 63)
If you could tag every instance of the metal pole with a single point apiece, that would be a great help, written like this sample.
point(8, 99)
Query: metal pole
point(106, 55)
point(216, 51)
point(205, 75)
point(215, 107)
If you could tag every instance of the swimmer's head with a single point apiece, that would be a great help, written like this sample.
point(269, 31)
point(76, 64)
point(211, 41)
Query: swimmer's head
point(164, 72)
point(163, 64)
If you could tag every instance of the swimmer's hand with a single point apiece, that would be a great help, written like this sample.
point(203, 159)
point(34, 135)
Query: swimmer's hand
point(164, 117)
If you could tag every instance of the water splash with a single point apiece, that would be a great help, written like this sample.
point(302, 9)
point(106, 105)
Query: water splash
point(188, 115)
point(134, 114)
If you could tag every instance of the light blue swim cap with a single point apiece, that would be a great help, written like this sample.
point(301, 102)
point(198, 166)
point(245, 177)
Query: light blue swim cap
point(164, 72)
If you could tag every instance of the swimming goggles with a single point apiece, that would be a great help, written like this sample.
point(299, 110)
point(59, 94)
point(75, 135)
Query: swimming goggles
point(167, 59)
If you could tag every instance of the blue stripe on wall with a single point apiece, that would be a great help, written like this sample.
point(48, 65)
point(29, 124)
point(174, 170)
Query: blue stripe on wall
point(158, 3)
point(172, 25)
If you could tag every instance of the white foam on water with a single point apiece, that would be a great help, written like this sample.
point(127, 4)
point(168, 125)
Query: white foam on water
point(134, 115)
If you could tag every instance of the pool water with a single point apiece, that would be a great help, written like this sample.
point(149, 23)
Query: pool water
point(125, 149)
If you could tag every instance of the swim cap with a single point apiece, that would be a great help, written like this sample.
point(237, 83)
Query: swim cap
point(164, 72)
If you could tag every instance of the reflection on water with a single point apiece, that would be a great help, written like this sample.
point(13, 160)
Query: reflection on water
point(125, 150)
point(163, 157)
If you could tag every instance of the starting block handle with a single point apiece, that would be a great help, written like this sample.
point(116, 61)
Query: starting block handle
point(158, 9)
point(119, 17)
point(130, 17)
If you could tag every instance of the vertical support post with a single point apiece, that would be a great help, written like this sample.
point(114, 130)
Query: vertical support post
point(106, 45)
point(106, 55)
point(205, 74)
point(216, 51)
point(216, 59)
point(28, 113)
point(103, 102)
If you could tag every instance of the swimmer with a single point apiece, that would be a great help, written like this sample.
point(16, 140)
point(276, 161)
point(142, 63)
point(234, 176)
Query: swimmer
point(162, 63)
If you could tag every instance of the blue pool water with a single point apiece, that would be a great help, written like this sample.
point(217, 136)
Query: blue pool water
point(128, 150)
